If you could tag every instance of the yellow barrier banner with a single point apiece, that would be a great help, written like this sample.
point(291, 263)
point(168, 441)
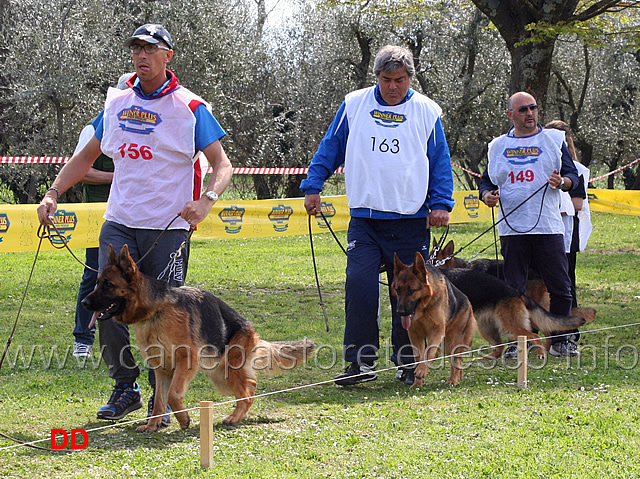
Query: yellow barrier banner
point(622, 202)
point(80, 223)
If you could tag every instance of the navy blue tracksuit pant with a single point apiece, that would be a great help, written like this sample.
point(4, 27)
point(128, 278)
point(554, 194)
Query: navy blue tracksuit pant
point(546, 253)
point(372, 242)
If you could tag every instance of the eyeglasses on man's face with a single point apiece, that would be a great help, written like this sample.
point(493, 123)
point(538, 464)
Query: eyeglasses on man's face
point(524, 109)
point(149, 48)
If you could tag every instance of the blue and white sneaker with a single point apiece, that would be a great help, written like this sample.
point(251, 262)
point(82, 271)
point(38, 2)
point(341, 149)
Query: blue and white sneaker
point(356, 374)
point(124, 399)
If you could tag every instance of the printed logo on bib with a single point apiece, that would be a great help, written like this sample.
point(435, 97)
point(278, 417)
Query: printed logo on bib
point(138, 120)
point(388, 119)
point(522, 155)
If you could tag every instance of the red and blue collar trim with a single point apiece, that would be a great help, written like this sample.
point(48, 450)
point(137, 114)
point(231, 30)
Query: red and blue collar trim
point(169, 86)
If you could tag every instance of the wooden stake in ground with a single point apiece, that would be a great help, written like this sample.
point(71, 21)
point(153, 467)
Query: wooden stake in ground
point(522, 361)
point(206, 434)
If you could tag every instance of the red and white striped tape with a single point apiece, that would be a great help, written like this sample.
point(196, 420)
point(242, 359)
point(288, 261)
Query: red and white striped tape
point(615, 171)
point(468, 171)
point(34, 159)
point(236, 171)
point(242, 171)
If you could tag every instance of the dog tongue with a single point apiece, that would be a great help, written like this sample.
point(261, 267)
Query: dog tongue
point(406, 322)
point(94, 318)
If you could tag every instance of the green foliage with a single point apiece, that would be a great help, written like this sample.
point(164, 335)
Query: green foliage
point(577, 418)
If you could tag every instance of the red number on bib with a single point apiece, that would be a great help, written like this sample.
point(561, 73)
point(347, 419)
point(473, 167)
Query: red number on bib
point(521, 177)
point(134, 151)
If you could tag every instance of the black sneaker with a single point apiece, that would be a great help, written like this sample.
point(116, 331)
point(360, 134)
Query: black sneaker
point(511, 352)
point(356, 374)
point(166, 420)
point(567, 349)
point(124, 399)
point(406, 375)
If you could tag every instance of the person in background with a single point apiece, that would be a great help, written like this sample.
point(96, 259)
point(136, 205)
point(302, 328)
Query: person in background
point(577, 221)
point(399, 183)
point(154, 131)
point(95, 189)
point(528, 168)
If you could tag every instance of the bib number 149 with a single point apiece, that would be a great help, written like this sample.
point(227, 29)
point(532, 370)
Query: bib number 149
point(521, 176)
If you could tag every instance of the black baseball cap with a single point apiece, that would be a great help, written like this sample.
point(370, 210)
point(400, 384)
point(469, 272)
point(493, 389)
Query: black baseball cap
point(150, 33)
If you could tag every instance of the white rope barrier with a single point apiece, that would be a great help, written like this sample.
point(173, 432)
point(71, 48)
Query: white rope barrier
point(206, 425)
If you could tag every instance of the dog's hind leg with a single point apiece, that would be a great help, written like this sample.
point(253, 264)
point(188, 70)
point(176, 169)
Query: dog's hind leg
point(244, 388)
point(240, 377)
point(490, 331)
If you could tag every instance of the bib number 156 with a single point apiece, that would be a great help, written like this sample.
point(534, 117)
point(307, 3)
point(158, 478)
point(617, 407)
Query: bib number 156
point(135, 151)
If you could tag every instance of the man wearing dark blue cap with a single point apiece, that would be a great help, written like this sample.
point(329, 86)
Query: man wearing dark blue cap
point(154, 131)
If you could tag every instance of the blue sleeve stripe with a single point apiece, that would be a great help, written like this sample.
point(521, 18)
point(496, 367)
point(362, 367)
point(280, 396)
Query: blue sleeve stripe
point(208, 130)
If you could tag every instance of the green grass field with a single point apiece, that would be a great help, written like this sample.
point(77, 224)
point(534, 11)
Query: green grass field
point(578, 418)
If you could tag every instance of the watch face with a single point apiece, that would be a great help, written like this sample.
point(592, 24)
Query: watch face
point(211, 195)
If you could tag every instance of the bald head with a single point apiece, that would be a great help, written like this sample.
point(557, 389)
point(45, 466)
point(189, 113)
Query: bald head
point(521, 96)
point(522, 109)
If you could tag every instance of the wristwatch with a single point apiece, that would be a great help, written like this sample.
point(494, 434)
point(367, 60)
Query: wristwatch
point(561, 183)
point(212, 195)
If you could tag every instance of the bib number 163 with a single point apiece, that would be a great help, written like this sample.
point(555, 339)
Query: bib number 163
point(385, 146)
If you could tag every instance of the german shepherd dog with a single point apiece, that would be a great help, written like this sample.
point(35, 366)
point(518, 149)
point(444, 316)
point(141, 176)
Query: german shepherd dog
point(181, 330)
point(432, 309)
point(500, 309)
point(536, 289)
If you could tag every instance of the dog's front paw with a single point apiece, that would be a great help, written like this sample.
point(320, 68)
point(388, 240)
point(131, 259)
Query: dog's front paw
point(229, 421)
point(147, 428)
point(185, 424)
point(417, 381)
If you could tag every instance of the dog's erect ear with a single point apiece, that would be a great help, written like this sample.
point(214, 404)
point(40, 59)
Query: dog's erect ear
point(111, 255)
point(125, 261)
point(397, 264)
point(418, 264)
point(448, 250)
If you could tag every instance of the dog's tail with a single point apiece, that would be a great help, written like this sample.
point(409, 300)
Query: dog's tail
point(543, 320)
point(588, 314)
point(278, 356)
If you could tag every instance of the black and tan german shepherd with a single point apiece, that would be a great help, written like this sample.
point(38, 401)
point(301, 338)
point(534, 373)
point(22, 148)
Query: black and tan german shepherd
point(500, 309)
point(183, 330)
point(536, 289)
point(432, 309)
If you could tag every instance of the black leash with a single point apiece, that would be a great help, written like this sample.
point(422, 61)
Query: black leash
point(160, 236)
point(315, 271)
point(62, 241)
point(504, 216)
point(41, 235)
point(24, 296)
point(438, 246)
point(382, 266)
point(59, 241)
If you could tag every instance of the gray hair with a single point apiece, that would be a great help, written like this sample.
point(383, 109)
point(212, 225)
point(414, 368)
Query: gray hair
point(391, 57)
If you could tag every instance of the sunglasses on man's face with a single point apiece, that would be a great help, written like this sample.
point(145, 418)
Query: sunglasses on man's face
point(524, 109)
